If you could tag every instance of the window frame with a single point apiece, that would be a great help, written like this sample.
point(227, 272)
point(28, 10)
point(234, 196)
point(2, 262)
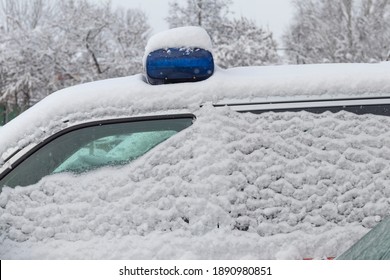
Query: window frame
point(80, 126)
point(357, 105)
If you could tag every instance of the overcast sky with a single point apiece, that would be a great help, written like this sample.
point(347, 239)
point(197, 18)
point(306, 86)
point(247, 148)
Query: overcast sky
point(274, 14)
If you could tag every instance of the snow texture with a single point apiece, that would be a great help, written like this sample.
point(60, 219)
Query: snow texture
point(270, 186)
point(189, 36)
point(131, 96)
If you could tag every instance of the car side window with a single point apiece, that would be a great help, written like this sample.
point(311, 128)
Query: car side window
point(92, 146)
point(112, 150)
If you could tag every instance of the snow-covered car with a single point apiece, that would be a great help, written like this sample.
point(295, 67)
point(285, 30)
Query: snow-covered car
point(272, 162)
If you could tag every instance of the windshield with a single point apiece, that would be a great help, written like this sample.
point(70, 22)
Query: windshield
point(93, 146)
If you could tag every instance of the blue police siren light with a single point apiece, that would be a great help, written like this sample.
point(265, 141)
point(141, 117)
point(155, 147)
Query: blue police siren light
point(178, 65)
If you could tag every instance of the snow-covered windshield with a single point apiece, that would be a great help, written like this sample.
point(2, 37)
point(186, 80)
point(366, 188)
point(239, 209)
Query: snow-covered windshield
point(93, 145)
point(232, 186)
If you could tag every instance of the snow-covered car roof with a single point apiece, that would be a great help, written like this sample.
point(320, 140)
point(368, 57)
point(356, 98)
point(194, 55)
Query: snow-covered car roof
point(132, 96)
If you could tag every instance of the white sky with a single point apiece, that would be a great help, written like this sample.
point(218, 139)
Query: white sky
point(274, 14)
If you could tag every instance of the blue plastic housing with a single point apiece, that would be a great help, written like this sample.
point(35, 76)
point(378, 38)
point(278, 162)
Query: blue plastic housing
point(178, 65)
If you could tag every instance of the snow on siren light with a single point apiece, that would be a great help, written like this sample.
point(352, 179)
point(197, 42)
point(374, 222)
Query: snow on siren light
point(178, 65)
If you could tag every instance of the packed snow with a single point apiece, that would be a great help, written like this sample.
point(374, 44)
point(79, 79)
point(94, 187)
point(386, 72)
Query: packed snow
point(188, 36)
point(231, 186)
point(131, 96)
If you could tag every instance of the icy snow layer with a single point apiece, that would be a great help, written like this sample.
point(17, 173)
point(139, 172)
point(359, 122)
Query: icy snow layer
point(131, 96)
point(232, 186)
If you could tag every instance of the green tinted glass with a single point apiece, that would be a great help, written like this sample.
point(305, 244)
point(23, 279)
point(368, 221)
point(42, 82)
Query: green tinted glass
point(91, 147)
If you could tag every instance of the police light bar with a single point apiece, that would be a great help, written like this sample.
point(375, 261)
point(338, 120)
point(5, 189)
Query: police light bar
point(178, 65)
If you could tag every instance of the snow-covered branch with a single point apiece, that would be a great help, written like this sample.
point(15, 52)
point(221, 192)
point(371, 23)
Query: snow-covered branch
point(46, 45)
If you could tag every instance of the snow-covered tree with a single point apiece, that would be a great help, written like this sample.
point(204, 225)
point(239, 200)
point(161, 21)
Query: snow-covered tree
point(23, 56)
point(339, 31)
point(209, 14)
point(373, 30)
point(46, 45)
point(237, 42)
point(251, 45)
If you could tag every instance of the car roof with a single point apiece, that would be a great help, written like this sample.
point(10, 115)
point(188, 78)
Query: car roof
point(132, 96)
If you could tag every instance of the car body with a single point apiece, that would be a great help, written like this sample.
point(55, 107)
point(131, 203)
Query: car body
point(280, 89)
point(275, 162)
